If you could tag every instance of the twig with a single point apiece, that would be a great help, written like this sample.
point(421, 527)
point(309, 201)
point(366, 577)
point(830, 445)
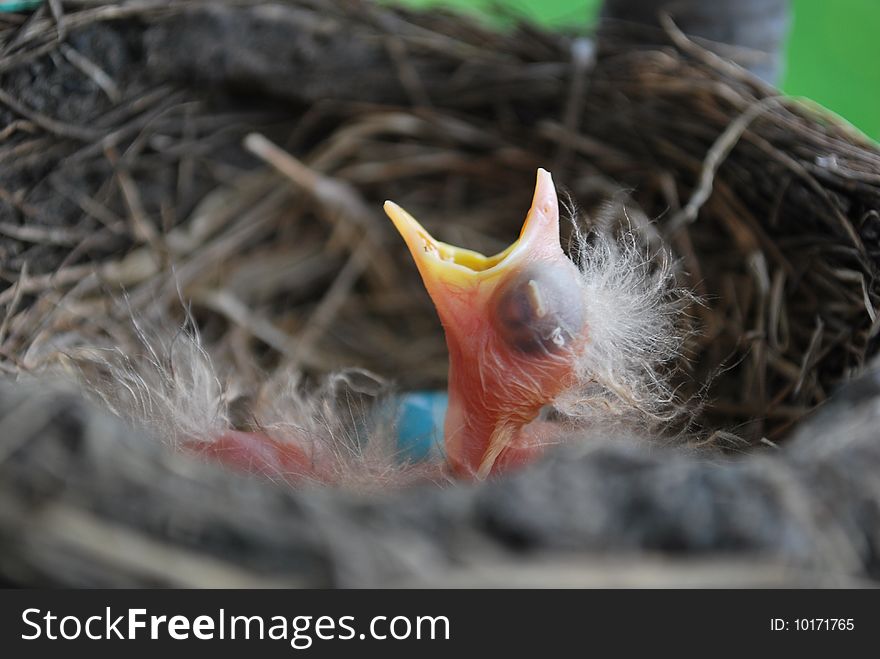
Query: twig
point(12, 306)
point(227, 304)
point(143, 228)
point(409, 76)
point(93, 71)
point(55, 127)
point(331, 304)
point(583, 56)
point(715, 157)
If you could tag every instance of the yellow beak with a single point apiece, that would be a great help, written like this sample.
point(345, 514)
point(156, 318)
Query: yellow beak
point(441, 263)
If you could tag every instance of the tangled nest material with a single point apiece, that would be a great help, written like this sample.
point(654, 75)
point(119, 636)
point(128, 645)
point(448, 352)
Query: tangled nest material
point(125, 171)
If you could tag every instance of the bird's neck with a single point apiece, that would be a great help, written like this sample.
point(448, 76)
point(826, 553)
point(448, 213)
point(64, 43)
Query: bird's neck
point(484, 431)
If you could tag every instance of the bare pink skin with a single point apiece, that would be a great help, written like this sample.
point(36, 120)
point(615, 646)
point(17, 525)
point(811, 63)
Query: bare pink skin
point(289, 462)
point(257, 453)
point(488, 403)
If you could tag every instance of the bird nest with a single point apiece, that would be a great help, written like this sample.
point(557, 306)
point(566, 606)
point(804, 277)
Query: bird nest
point(231, 160)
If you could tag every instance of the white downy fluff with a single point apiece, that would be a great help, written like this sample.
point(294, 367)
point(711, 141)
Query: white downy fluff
point(637, 323)
point(168, 386)
point(171, 388)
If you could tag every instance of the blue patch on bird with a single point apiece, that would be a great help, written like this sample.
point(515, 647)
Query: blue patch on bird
point(420, 424)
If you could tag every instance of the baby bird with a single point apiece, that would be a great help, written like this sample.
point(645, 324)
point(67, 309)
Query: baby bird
point(515, 327)
point(530, 333)
point(522, 329)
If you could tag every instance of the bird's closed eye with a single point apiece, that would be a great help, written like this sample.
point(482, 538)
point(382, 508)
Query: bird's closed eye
point(538, 309)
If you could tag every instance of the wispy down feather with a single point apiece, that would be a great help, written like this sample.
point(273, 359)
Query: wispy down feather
point(344, 426)
point(637, 326)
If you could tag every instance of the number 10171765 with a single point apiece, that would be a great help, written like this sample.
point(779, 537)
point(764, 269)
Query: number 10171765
point(812, 624)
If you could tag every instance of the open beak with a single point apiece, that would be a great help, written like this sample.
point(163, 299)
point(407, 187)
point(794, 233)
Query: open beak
point(513, 322)
point(447, 268)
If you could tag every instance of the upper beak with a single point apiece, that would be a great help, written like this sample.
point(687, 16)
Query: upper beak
point(511, 322)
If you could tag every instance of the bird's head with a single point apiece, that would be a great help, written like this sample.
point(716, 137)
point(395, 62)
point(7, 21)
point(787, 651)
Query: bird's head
point(515, 324)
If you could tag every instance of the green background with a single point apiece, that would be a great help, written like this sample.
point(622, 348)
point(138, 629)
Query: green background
point(833, 50)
